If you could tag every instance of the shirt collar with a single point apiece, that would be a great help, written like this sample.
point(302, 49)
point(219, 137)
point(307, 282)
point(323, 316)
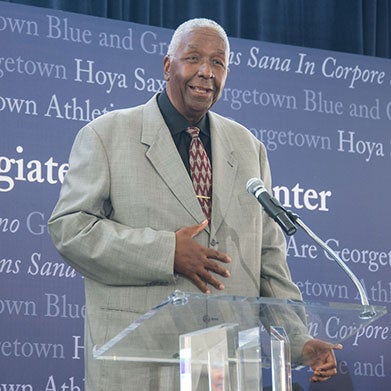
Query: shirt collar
point(174, 120)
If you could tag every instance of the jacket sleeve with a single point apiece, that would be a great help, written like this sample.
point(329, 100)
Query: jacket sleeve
point(276, 279)
point(96, 246)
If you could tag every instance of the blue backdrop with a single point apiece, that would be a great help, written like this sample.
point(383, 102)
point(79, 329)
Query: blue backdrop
point(324, 117)
point(354, 26)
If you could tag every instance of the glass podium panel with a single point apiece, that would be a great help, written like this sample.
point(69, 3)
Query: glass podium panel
point(233, 332)
point(249, 360)
point(204, 353)
point(280, 358)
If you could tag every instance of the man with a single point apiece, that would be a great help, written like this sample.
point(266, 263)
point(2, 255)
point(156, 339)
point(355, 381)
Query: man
point(130, 221)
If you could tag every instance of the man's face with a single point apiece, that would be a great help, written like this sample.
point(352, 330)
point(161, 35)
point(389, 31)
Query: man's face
point(196, 73)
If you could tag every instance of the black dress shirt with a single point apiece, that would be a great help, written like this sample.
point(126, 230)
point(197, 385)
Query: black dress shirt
point(177, 124)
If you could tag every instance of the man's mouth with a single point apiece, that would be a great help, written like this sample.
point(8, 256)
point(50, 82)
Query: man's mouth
point(201, 90)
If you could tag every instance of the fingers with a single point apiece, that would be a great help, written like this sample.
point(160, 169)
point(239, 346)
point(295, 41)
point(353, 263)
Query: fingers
point(198, 263)
point(321, 377)
point(218, 255)
point(338, 346)
point(217, 268)
point(205, 281)
point(202, 273)
point(320, 356)
point(324, 372)
point(202, 277)
point(328, 368)
point(196, 229)
point(200, 284)
point(326, 360)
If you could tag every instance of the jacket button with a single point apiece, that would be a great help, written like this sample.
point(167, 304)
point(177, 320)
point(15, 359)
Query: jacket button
point(213, 242)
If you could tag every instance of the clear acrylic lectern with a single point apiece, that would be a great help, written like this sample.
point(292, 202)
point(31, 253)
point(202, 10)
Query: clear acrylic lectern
point(225, 341)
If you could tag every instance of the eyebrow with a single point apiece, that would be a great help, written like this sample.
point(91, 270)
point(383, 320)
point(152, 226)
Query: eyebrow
point(196, 47)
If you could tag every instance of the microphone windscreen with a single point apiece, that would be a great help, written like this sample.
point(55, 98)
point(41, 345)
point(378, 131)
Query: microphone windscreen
point(254, 184)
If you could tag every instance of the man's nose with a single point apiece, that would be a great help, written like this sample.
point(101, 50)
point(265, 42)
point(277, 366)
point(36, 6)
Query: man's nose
point(205, 70)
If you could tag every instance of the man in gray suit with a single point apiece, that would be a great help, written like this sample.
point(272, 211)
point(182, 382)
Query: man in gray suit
point(129, 220)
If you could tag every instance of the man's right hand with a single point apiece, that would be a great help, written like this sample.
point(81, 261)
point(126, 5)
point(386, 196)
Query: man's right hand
point(196, 262)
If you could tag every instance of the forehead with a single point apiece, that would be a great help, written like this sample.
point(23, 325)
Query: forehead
point(203, 39)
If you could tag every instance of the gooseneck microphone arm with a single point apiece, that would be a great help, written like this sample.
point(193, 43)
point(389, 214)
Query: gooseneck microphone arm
point(369, 313)
point(255, 183)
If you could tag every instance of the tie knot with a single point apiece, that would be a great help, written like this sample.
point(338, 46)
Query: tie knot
point(193, 131)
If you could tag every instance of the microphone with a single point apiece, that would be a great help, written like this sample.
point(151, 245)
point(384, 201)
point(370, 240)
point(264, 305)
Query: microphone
point(284, 218)
point(271, 205)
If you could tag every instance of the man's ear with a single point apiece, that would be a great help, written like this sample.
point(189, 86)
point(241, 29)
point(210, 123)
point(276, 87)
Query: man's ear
point(166, 67)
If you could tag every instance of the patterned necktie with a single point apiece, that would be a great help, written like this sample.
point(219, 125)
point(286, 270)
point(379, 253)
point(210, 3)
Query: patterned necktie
point(201, 171)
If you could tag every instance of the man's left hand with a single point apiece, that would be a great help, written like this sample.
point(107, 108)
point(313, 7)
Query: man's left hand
point(319, 355)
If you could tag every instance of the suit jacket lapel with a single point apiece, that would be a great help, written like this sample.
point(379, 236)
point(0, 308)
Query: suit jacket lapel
point(225, 168)
point(164, 156)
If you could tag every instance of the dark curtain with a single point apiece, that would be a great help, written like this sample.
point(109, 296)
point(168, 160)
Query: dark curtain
point(354, 26)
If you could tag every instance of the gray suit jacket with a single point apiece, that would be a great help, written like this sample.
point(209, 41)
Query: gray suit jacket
point(124, 196)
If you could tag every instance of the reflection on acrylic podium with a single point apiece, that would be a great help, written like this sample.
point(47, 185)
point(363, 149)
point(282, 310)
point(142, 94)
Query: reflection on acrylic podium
point(222, 343)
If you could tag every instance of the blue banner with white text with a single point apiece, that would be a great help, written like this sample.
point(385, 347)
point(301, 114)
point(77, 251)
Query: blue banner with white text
point(325, 118)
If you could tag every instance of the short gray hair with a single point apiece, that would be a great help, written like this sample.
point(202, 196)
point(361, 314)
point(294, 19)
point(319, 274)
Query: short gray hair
point(194, 24)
